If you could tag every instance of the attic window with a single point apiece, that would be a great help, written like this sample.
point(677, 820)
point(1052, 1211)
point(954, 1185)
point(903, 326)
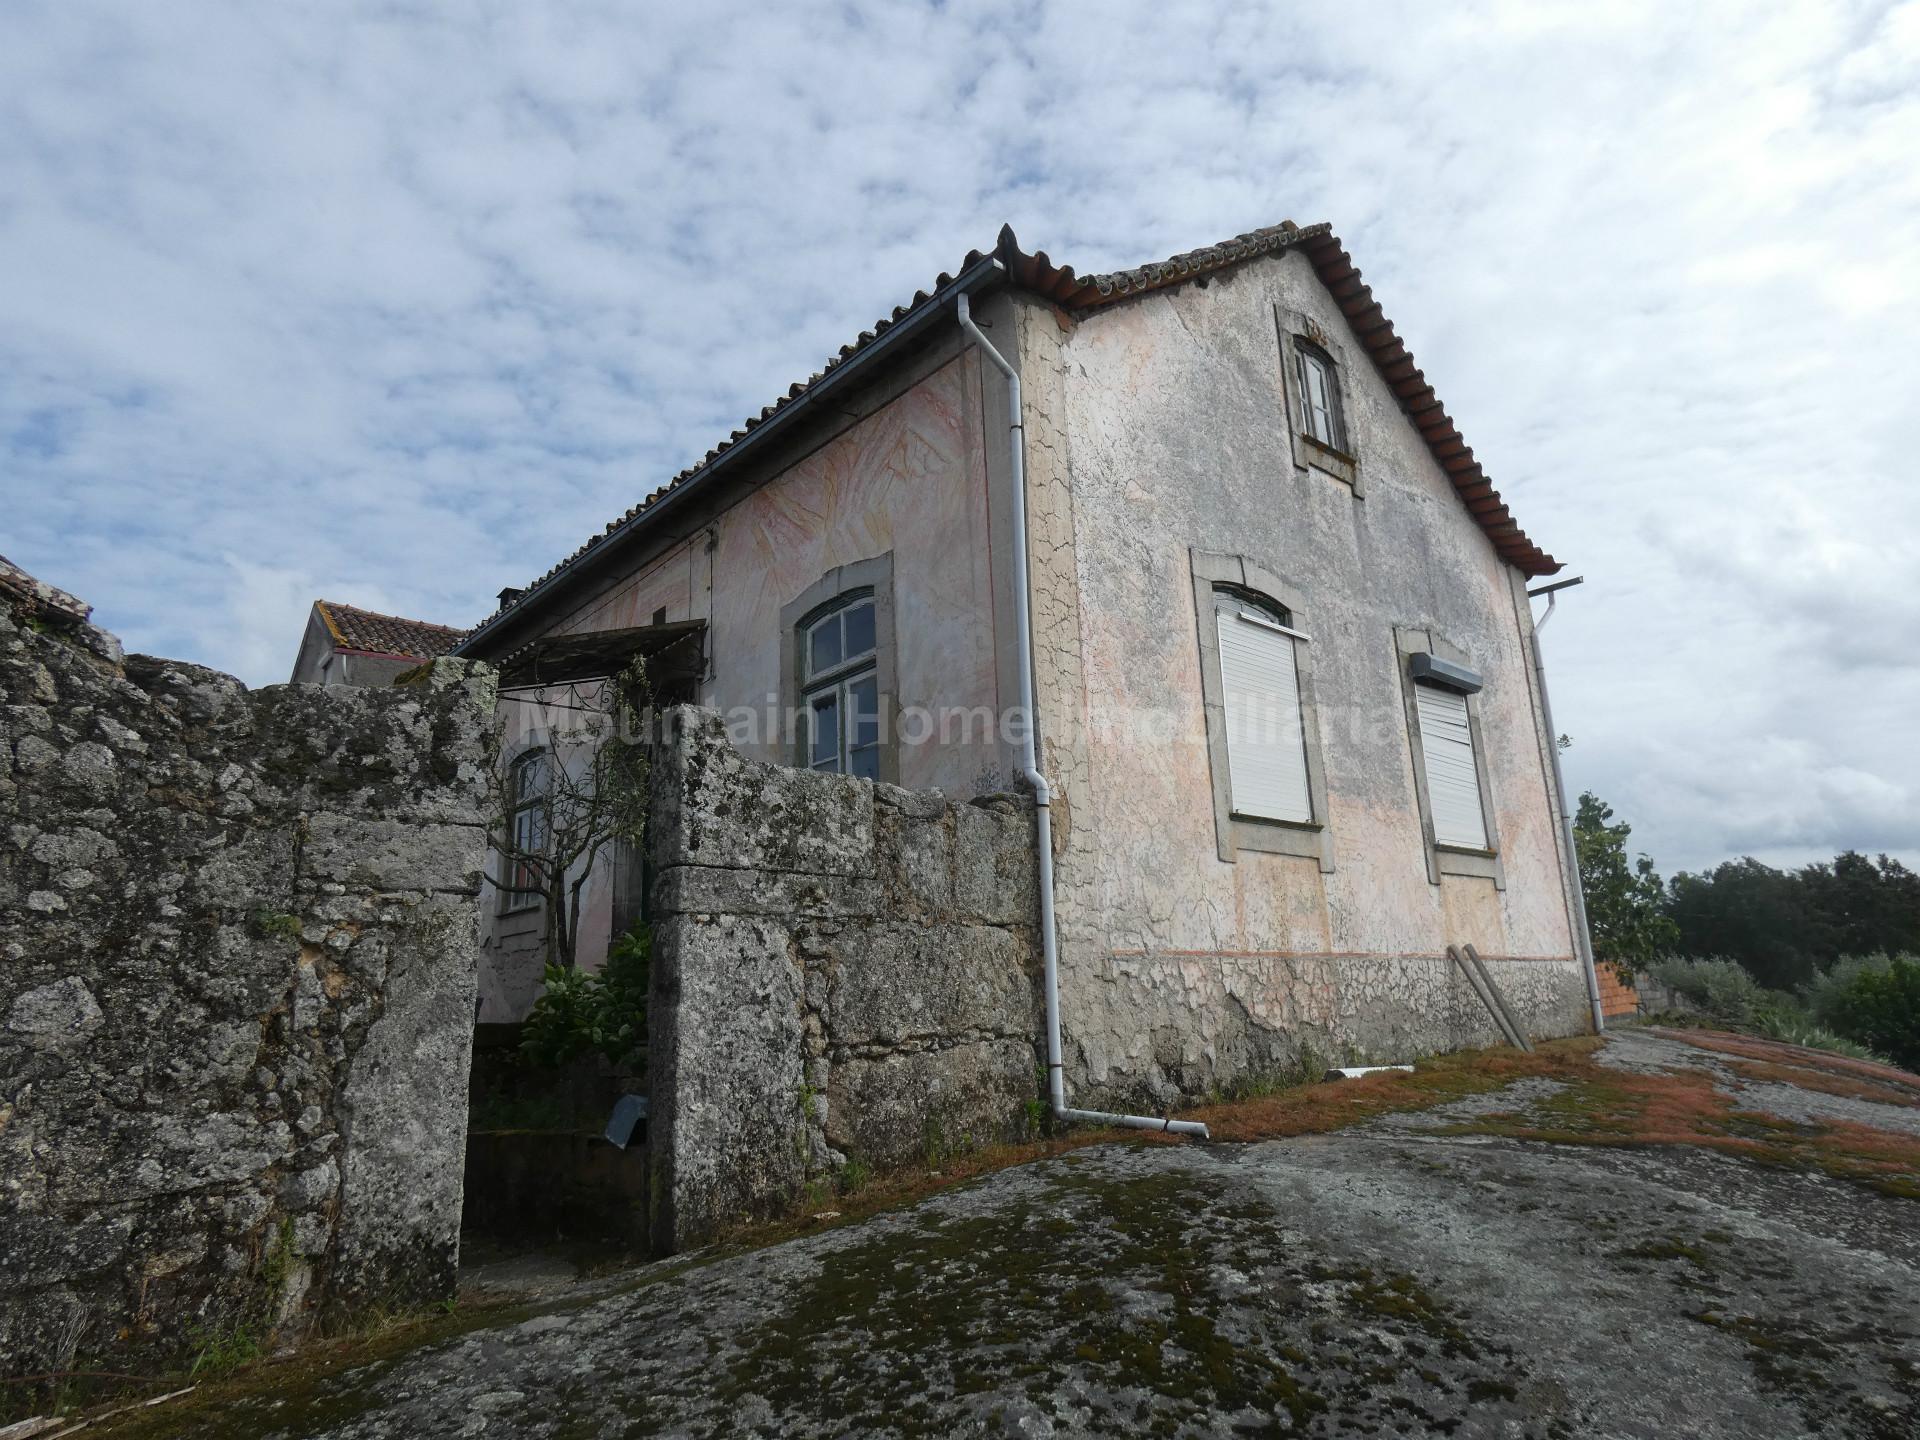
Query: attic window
point(1320, 416)
point(1315, 375)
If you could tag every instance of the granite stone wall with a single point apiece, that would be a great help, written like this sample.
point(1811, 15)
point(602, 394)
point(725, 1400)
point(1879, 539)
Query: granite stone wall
point(237, 960)
point(843, 971)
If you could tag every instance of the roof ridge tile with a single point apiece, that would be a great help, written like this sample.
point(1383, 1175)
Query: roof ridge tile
point(1060, 284)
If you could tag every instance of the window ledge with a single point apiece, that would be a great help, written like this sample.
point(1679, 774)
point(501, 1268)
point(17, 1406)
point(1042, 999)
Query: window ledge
point(1476, 864)
point(1320, 448)
point(1265, 820)
point(1305, 838)
point(1337, 463)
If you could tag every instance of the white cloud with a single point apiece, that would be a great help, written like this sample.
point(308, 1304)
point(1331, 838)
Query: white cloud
point(400, 302)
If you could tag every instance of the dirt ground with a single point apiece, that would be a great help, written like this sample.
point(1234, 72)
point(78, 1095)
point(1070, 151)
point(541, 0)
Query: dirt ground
point(1667, 1235)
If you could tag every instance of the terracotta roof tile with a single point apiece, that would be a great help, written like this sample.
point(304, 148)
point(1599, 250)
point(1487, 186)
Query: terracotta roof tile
point(1038, 274)
point(1368, 321)
point(372, 633)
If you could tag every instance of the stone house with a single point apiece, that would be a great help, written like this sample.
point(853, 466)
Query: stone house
point(1283, 672)
point(345, 645)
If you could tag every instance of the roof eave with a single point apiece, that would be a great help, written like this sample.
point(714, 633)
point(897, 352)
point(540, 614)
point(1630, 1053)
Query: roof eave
point(1036, 274)
point(1371, 328)
point(981, 275)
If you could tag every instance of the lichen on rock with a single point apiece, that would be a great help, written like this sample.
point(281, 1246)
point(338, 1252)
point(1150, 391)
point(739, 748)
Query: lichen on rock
point(207, 1122)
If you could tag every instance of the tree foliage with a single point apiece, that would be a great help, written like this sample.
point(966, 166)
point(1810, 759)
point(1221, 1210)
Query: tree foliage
point(591, 798)
point(1865, 906)
point(1787, 926)
point(601, 1012)
point(1802, 955)
point(1626, 901)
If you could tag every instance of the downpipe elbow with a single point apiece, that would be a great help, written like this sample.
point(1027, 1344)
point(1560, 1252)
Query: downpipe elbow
point(1042, 792)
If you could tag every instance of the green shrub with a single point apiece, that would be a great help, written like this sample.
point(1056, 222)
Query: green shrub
point(1826, 995)
point(604, 1013)
point(854, 1176)
point(1796, 1028)
point(1720, 987)
point(1880, 1008)
point(220, 1350)
point(1822, 1021)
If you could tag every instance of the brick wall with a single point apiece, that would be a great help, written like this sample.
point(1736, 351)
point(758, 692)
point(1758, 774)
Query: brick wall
point(1617, 997)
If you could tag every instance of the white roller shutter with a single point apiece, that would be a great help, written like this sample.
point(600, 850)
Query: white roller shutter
point(1266, 746)
point(1453, 780)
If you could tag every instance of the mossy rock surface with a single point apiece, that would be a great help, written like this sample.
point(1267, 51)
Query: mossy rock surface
point(1443, 1274)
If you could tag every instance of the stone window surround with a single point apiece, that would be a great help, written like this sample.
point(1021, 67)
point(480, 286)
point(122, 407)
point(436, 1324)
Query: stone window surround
point(1313, 838)
point(1291, 327)
point(874, 574)
point(1442, 859)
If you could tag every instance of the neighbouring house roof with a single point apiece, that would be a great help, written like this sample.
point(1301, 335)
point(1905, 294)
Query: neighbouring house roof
point(1059, 284)
point(372, 633)
point(672, 651)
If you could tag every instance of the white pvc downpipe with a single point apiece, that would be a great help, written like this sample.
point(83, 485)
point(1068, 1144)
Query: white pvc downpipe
point(1030, 762)
point(1582, 936)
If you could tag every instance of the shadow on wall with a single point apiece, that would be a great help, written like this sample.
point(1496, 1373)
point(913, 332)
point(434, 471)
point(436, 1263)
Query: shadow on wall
point(540, 1170)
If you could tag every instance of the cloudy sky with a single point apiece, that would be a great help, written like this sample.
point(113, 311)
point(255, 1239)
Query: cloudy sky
point(396, 302)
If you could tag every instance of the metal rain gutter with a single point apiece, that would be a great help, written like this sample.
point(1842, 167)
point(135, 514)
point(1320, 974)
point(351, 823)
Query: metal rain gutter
point(1582, 935)
point(1030, 761)
point(968, 280)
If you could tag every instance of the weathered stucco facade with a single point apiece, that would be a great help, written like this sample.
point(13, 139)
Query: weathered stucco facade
point(1162, 440)
point(905, 485)
point(236, 995)
point(1160, 427)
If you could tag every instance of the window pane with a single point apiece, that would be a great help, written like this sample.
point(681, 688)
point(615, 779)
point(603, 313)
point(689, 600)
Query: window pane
point(526, 777)
point(1319, 399)
point(825, 752)
point(863, 705)
point(859, 629)
point(865, 762)
point(1317, 383)
point(529, 830)
point(824, 642)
